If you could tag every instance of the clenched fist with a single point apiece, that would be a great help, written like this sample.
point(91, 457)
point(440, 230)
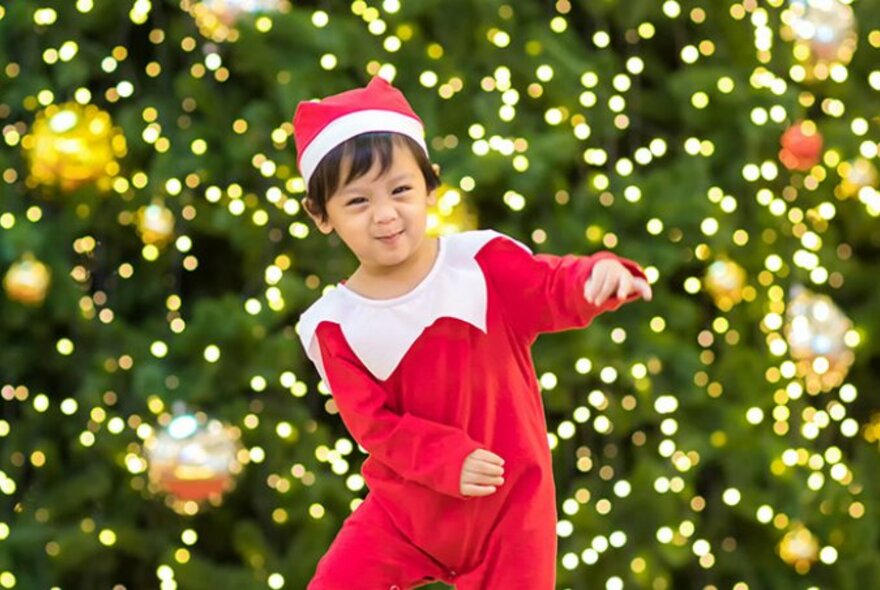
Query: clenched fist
point(609, 277)
point(481, 473)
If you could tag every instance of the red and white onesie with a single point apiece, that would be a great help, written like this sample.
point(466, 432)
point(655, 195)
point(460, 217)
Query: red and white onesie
point(423, 380)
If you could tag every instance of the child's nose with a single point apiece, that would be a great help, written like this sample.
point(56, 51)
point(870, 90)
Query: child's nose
point(384, 212)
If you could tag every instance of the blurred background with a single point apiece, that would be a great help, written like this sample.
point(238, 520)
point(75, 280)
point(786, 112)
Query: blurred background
point(160, 426)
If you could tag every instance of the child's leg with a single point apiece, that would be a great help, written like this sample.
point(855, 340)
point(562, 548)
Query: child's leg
point(514, 560)
point(369, 553)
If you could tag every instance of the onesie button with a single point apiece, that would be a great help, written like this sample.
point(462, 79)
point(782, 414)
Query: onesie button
point(395, 587)
point(452, 573)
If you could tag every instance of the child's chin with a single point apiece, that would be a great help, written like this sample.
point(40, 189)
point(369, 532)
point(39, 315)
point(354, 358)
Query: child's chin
point(394, 258)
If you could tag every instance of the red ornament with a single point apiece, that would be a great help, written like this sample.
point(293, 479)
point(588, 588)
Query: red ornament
point(194, 489)
point(801, 146)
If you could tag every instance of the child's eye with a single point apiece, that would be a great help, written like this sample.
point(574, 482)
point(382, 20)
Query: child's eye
point(401, 189)
point(356, 201)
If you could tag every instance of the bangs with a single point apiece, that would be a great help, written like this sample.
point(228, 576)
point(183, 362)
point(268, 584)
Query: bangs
point(362, 152)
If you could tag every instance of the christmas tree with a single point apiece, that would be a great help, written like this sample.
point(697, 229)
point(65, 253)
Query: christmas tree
point(161, 426)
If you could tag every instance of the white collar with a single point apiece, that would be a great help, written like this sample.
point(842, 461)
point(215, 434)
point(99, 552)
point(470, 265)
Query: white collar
point(381, 331)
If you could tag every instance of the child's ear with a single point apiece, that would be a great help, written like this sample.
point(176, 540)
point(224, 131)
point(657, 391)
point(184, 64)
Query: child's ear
point(324, 226)
point(432, 196)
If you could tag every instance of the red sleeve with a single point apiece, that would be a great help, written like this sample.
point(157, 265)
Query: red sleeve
point(420, 450)
point(545, 293)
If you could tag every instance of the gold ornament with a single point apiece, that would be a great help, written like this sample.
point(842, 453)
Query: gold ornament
point(451, 214)
point(724, 281)
point(799, 548)
point(71, 145)
point(27, 281)
point(855, 176)
point(871, 431)
point(193, 459)
point(155, 224)
point(216, 19)
point(818, 335)
point(823, 32)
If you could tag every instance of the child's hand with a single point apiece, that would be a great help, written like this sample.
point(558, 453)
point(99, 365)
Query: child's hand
point(480, 473)
point(608, 277)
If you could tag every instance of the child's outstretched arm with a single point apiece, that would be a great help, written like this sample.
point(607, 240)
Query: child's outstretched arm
point(421, 450)
point(547, 293)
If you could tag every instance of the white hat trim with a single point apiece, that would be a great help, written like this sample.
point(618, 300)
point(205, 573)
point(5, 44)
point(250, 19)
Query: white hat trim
point(347, 126)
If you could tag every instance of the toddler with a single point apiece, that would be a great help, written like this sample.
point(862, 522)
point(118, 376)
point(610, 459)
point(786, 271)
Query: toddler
point(426, 351)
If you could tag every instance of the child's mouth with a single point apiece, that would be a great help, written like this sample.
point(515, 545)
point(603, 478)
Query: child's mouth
point(390, 238)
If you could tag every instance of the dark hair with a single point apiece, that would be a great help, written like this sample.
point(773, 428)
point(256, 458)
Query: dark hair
point(361, 151)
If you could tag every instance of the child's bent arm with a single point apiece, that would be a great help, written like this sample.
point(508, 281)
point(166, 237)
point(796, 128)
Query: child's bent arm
point(421, 450)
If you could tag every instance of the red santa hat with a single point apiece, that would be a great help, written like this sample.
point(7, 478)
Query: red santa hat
point(320, 126)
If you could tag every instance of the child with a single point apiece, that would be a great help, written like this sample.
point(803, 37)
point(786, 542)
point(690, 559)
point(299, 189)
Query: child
point(426, 350)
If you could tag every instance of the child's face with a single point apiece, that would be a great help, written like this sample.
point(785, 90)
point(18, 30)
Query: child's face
point(381, 219)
